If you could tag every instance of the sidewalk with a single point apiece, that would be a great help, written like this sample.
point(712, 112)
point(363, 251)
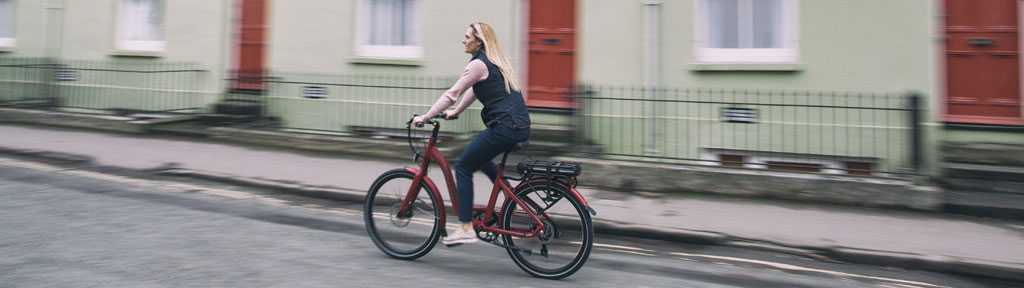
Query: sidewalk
point(936, 242)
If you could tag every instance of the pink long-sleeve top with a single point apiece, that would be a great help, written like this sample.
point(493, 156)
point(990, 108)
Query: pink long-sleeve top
point(474, 72)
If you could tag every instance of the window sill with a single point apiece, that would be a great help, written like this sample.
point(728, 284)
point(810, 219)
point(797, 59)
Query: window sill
point(783, 67)
point(136, 53)
point(7, 49)
point(387, 61)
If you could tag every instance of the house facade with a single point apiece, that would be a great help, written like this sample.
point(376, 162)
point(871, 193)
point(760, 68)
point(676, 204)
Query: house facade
point(821, 86)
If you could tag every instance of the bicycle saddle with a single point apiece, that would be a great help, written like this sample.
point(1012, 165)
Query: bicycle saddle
point(519, 146)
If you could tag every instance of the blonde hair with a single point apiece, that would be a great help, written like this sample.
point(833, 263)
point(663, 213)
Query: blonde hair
point(486, 35)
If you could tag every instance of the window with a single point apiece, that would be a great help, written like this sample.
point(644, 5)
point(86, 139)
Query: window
point(742, 31)
point(389, 29)
point(140, 25)
point(7, 23)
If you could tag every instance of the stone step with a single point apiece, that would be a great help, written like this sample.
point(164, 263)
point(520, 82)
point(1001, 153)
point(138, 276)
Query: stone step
point(983, 153)
point(239, 107)
point(983, 172)
point(960, 184)
point(997, 205)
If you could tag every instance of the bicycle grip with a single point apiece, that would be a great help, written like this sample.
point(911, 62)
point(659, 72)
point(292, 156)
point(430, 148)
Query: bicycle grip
point(444, 115)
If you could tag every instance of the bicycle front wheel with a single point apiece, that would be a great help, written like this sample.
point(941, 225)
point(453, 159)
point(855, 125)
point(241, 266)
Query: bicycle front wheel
point(407, 235)
point(565, 243)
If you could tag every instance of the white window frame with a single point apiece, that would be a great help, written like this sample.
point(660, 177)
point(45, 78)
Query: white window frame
point(364, 49)
point(790, 53)
point(12, 40)
point(140, 45)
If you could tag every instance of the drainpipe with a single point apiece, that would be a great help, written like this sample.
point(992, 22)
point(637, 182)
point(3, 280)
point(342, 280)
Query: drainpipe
point(652, 68)
point(522, 44)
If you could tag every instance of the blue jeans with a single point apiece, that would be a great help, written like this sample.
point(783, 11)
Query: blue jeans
point(490, 143)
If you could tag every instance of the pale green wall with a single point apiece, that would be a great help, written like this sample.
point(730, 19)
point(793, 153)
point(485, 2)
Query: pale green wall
point(319, 36)
point(866, 45)
point(609, 50)
point(30, 18)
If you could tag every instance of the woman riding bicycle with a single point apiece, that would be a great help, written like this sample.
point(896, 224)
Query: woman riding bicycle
point(489, 77)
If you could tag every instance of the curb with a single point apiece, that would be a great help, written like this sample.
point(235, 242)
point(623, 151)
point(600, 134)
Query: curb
point(329, 193)
point(75, 120)
point(659, 233)
point(48, 156)
point(934, 263)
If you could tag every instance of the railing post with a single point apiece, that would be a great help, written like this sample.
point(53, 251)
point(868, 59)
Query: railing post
point(915, 132)
point(652, 75)
point(49, 74)
point(578, 120)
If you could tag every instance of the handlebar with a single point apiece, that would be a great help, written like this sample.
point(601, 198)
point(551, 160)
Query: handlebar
point(408, 126)
point(441, 115)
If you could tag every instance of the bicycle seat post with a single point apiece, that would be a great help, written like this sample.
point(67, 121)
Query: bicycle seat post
point(505, 157)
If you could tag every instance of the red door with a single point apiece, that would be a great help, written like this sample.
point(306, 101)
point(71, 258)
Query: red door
point(983, 62)
point(251, 44)
point(552, 56)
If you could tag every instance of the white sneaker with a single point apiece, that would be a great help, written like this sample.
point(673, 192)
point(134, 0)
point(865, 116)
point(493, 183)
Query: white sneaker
point(460, 236)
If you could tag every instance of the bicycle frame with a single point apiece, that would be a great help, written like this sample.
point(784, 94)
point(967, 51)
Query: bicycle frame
point(432, 154)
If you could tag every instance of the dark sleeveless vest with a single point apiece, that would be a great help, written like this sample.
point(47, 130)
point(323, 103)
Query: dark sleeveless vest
point(500, 107)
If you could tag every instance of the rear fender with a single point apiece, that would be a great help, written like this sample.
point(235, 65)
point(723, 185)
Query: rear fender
point(572, 191)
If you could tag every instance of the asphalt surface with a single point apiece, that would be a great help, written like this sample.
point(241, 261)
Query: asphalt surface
point(98, 226)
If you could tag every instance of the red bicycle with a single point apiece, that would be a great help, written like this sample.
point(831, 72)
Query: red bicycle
point(544, 223)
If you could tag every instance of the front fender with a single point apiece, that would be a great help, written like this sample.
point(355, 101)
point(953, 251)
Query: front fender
point(433, 189)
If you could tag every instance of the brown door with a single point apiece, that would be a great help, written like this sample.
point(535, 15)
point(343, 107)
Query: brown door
point(983, 62)
point(251, 43)
point(552, 56)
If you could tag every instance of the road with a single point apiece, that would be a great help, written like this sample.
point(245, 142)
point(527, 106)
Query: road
point(105, 227)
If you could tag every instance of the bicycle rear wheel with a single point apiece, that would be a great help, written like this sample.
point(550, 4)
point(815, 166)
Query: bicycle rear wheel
point(401, 236)
point(564, 245)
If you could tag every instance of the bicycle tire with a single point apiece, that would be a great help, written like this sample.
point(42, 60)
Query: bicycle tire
point(566, 221)
point(387, 191)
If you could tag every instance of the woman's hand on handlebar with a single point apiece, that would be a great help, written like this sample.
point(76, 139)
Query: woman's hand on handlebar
point(450, 115)
point(418, 121)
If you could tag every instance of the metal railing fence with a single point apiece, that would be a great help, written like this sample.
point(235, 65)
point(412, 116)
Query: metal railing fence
point(105, 86)
point(343, 103)
point(874, 134)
